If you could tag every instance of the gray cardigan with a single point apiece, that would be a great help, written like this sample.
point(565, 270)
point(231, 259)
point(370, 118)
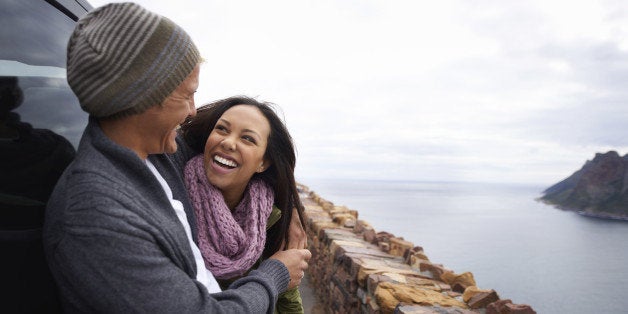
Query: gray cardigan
point(115, 245)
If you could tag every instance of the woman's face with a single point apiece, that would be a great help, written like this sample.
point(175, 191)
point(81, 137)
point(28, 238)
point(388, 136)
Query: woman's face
point(235, 148)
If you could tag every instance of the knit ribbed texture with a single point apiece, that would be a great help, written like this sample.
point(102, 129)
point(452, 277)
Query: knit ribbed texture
point(230, 242)
point(123, 59)
point(277, 271)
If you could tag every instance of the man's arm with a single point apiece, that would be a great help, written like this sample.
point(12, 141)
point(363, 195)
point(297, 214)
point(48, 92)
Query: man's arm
point(110, 263)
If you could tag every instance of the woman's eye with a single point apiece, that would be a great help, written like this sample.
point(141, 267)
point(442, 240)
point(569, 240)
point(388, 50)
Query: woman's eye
point(249, 139)
point(220, 128)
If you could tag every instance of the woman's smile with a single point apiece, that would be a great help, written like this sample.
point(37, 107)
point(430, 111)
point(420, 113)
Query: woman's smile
point(223, 165)
point(225, 162)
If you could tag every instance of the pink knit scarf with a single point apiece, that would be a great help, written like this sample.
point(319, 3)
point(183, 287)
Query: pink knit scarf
point(229, 242)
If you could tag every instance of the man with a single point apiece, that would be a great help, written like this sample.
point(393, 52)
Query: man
point(117, 235)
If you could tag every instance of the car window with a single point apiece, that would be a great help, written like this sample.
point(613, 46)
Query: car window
point(34, 36)
point(40, 119)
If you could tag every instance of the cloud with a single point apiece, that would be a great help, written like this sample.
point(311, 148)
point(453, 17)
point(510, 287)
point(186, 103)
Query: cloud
point(448, 90)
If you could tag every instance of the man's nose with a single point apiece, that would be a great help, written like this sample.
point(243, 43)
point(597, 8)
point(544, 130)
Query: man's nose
point(192, 108)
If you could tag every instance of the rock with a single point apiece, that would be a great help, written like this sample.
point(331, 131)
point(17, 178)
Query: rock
point(453, 294)
point(419, 309)
point(350, 223)
point(436, 270)
point(470, 292)
point(399, 246)
point(507, 307)
point(378, 265)
point(389, 295)
point(361, 226)
point(460, 282)
point(343, 218)
point(384, 246)
point(374, 280)
point(383, 236)
point(370, 236)
point(326, 205)
point(426, 283)
point(415, 259)
point(483, 299)
point(417, 252)
point(413, 250)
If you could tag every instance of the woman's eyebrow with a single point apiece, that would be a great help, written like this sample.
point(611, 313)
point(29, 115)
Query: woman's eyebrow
point(252, 131)
point(244, 130)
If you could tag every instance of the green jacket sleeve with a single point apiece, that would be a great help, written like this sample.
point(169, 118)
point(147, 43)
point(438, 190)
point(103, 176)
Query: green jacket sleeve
point(290, 301)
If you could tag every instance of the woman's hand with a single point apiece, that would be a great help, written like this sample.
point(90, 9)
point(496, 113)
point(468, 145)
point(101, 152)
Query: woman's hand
point(297, 238)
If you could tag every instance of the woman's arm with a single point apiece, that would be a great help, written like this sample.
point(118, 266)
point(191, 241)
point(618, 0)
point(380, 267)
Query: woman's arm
point(297, 238)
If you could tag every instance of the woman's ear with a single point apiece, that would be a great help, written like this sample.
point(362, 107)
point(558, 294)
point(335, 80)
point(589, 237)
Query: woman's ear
point(263, 166)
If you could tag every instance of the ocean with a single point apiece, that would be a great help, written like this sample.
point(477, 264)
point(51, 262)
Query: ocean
point(532, 253)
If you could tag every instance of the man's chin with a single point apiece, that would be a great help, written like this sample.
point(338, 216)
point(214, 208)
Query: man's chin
point(171, 149)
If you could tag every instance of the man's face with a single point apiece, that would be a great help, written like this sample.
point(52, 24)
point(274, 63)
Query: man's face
point(166, 118)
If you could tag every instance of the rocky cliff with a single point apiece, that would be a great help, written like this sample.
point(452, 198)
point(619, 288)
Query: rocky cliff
point(599, 188)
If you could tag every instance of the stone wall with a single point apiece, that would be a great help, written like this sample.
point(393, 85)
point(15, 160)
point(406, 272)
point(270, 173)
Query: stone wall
point(355, 269)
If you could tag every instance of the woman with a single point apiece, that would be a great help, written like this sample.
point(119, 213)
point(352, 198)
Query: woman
point(242, 188)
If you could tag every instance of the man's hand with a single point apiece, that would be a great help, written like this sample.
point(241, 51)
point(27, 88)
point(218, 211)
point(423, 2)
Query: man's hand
point(297, 238)
point(296, 261)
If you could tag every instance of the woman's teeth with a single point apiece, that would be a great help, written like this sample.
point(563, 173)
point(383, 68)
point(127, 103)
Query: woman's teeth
point(225, 162)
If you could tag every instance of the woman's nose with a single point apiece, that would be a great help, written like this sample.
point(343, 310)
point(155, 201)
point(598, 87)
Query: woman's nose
point(228, 144)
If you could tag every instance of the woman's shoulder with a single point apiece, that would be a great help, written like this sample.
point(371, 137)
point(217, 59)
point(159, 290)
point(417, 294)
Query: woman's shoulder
point(274, 216)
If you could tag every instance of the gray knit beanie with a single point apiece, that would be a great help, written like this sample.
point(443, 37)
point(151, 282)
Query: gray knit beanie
point(124, 59)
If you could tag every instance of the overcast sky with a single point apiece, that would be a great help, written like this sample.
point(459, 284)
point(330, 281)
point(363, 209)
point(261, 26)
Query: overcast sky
point(492, 91)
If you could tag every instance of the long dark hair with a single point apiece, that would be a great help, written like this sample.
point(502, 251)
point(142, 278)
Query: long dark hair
point(280, 151)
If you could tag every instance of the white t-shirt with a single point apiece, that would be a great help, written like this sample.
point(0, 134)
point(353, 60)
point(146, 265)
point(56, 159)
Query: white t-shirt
point(202, 274)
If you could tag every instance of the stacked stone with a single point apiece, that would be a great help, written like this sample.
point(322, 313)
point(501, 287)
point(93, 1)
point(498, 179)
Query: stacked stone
point(355, 269)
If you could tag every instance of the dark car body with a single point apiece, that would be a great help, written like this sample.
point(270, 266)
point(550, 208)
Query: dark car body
point(40, 126)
